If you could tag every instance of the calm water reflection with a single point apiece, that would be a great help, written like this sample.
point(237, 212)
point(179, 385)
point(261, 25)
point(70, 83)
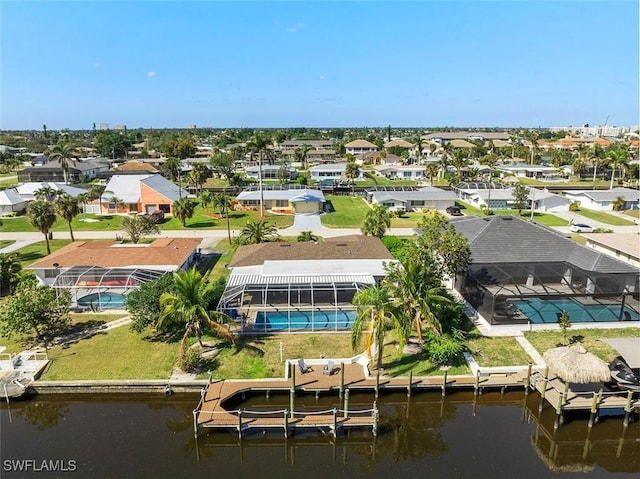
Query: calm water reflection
point(426, 436)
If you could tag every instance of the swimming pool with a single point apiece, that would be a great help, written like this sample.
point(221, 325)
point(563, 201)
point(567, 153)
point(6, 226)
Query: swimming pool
point(103, 301)
point(540, 310)
point(310, 320)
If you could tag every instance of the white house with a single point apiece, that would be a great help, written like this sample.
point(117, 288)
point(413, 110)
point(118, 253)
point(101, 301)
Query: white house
point(544, 200)
point(329, 171)
point(602, 200)
point(428, 197)
point(400, 172)
point(28, 190)
point(289, 201)
point(269, 172)
point(623, 246)
point(11, 202)
point(359, 147)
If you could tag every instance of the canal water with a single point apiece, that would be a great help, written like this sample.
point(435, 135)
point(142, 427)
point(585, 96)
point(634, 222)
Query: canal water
point(492, 436)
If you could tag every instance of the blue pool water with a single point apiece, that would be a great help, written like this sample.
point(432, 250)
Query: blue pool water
point(279, 320)
point(546, 310)
point(103, 301)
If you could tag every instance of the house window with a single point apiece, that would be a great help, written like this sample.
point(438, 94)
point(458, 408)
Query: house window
point(50, 273)
point(251, 203)
point(406, 174)
point(282, 203)
point(133, 207)
point(417, 203)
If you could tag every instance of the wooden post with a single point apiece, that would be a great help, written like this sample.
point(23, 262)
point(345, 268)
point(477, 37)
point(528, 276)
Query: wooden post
point(375, 418)
point(240, 424)
point(195, 423)
point(543, 393)
point(286, 424)
point(335, 422)
point(558, 420)
point(410, 383)
point(476, 388)
point(444, 382)
point(341, 379)
point(293, 377)
point(628, 409)
point(292, 401)
point(346, 403)
point(527, 380)
point(594, 408)
point(377, 383)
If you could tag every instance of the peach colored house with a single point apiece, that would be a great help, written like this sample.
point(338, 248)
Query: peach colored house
point(139, 194)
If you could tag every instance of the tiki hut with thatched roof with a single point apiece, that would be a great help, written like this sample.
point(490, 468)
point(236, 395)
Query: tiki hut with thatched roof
point(574, 364)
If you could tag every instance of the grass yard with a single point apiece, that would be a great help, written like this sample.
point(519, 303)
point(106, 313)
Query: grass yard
point(35, 251)
point(349, 212)
point(259, 356)
point(545, 219)
point(5, 243)
point(497, 351)
point(603, 217)
point(407, 220)
point(544, 340)
point(633, 213)
point(115, 354)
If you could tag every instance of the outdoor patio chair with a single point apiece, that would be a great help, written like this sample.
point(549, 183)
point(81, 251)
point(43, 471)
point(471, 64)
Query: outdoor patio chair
point(303, 367)
point(328, 368)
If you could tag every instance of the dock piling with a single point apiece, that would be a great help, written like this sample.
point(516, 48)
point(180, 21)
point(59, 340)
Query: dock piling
point(240, 424)
point(444, 382)
point(286, 423)
point(377, 383)
point(410, 383)
point(628, 409)
point(346, 403)
point(374, 429)
point(527, 380)
point(341, 379)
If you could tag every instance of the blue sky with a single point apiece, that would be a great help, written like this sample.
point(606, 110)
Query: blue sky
point(287, 64)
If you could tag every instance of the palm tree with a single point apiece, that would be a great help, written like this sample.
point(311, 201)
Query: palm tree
point(67, 207)
point(183, 209)
point(414, 289)
point(206, 198)
point(459, 161)
point(64, 153)
point(221, 202)
point(377, 221)
point(431, 170)
point(352, 171)
point(617, 157)
point(376, 312)
point(259, 143)
point(42, 216)
point(10, 268)
point(301, 155)
point(618, 203)
point(83, 199)
point(258, 232)
point(598, 154)
point(306, 236)
point(197, 176)
point(188, 308)
point(46, 193)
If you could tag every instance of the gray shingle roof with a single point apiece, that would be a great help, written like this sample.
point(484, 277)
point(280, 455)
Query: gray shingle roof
point(508, 239)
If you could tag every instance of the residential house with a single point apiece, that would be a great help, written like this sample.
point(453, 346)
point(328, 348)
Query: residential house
point(99, 274)
point(270, 172)
point(329, 171)
point(139, 194)
point(603, 200)
point(27, 191)
point(11, 202)
point(412, 199)
point(302, 286)
point(79, 171)
point(401, 172)
point(281, 200)
point(524, 273)
point(291, 145)
point(623, 246)
point(360, 147)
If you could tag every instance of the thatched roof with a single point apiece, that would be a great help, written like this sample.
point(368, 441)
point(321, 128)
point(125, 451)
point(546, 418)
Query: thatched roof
point(574, 364)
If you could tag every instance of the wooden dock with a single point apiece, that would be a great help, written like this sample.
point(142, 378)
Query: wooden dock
point(347, 376)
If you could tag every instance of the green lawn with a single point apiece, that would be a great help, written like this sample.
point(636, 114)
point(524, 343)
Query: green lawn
point(544, 340)
point(208, 219)
point(35, 251)
point(349, 212)
point(115, 354)
point(542, 218)
point(5, 243)
point(497, 351)
point(407, 220)
point(633, 213)
point(585, 183)
point(603, 217)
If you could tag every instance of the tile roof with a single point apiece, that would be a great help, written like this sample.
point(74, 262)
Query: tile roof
point(338, 248)
point(508, 239)
point(165, 253)
point(360, 144)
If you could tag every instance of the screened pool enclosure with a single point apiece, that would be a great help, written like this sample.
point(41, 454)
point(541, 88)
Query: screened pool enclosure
point(279, 303)
point(538, 292)
point(97, 288)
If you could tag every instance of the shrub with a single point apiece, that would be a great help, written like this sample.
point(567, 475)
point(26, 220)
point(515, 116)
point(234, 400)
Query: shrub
point(575, 206)
point(602, 230)
point(445, 349)
point(190, 361)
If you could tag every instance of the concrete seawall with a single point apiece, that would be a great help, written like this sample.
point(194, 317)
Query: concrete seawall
point(161, 386)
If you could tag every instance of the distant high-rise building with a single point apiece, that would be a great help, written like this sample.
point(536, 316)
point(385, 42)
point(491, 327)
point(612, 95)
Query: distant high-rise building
point(192, 127)
point(120, 127)
point(103, 126)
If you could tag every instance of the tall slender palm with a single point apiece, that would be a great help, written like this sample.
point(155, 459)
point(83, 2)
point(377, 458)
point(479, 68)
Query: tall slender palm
point(259, 232)
point(598, 155)
point(459, 161)
point(352, 172)
point(64, 153)
point(259, 145)
point(183, 209)
point(221, 202)
point(46, 193)
point(617, 157)
point(10, 268)
point(376, 313)
point(42, 216)
point(67, 207)
point(188, 308)
point(206, 198)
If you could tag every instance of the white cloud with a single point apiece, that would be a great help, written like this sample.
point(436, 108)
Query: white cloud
point(296, 27)
point(322, 77)
point(151, 74)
